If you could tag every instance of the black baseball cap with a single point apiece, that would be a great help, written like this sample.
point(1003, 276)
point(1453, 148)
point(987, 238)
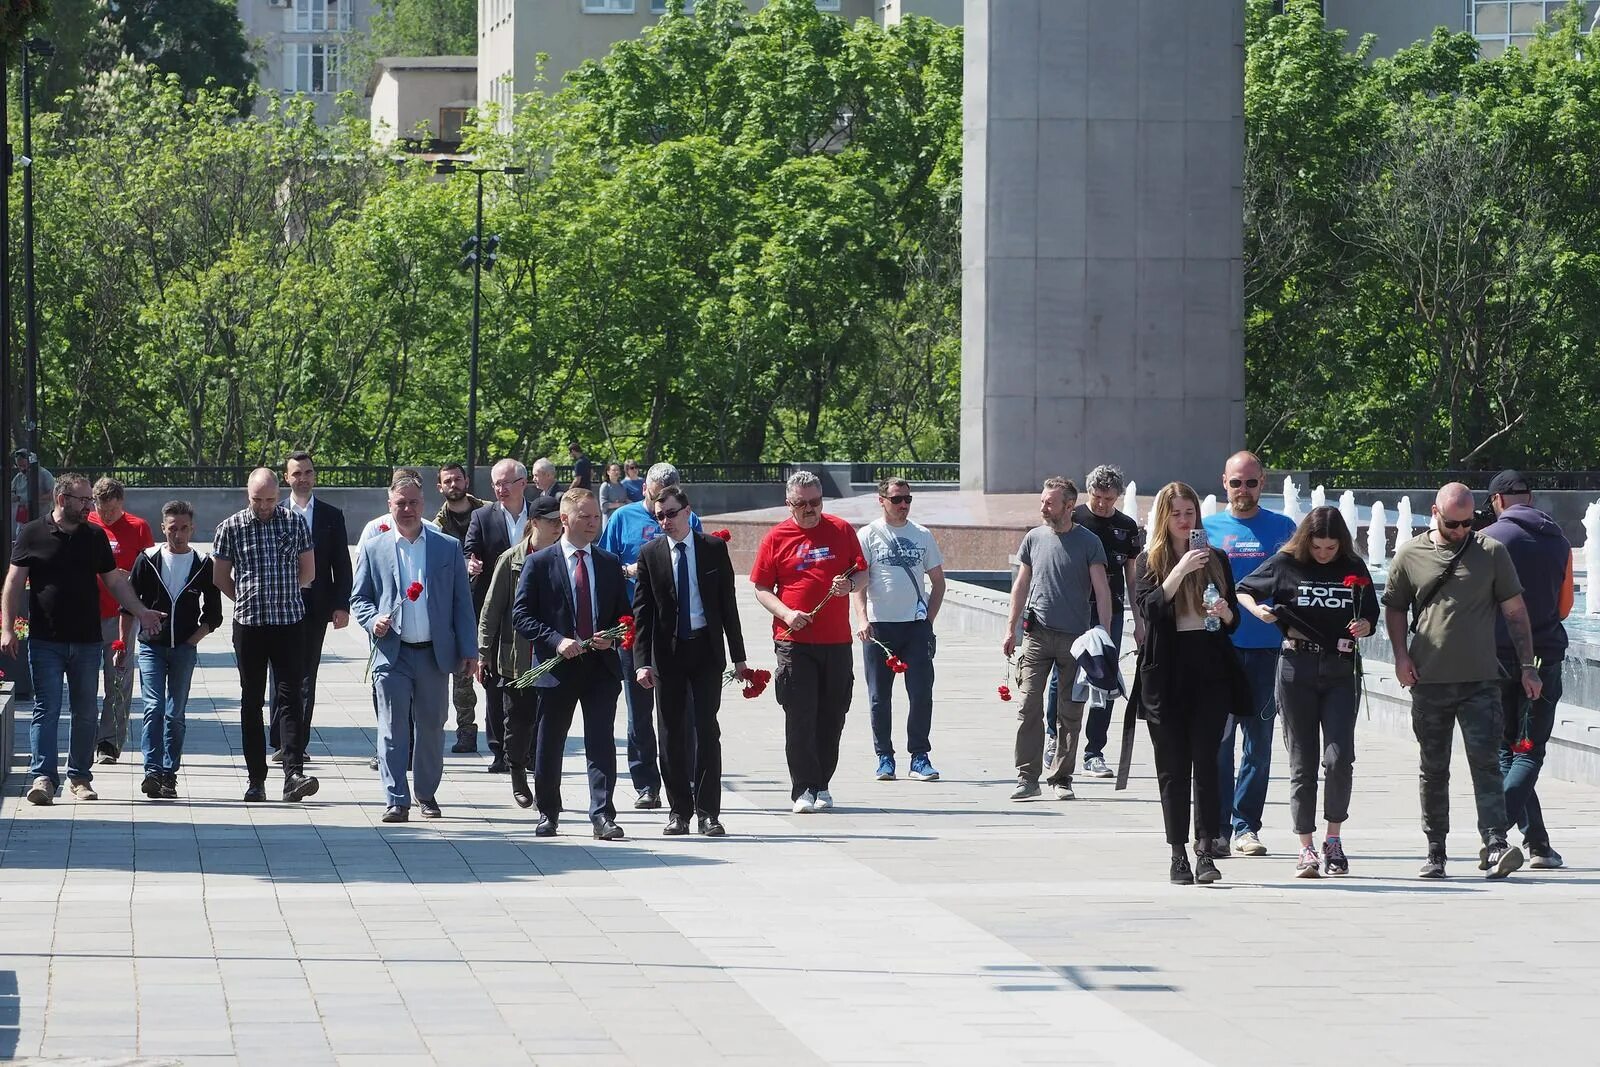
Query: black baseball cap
point(545, 507)
point(1509, 483)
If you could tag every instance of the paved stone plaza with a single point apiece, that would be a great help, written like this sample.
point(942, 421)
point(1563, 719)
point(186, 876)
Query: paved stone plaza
point(918, 923)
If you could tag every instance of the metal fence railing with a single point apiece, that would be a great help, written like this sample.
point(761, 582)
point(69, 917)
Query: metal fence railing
point(911, 472)
point(232, 477)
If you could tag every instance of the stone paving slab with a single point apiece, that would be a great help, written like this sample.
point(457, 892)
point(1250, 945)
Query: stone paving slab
point(917, 923)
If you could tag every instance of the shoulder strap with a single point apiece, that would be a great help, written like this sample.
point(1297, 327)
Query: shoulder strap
point(1436, 587)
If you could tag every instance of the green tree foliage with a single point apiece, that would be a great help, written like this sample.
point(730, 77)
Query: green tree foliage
point(425, 28)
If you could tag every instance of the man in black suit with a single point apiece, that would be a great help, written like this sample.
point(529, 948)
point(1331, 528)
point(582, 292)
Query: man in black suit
point(493, 529)
point(684, 608)
point(568, 593)
point(327, 598)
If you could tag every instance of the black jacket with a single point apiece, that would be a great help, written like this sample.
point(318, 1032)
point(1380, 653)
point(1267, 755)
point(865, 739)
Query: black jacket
point(1155, 680)
point(1542, 556)
point(655, 601)
point(329, 591)
point(200, 602)
point(488, 539)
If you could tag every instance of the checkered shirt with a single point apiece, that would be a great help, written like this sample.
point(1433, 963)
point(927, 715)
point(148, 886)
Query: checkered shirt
point(266, 565)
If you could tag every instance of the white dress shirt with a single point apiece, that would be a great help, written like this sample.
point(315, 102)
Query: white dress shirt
point(515, 524)
point(569, 552)
point(412, 557)
point(697, 607)
point(304, 512)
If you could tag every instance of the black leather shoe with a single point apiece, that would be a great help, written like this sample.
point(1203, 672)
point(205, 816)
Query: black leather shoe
point(151, 786)
point(519, 787)
point(1205, 869)
point(256, 794)
point(606, 829)
point(1182, 873)
point(711, 826)
point(498, 765)
point(393, 814)
point(430, 808)
point(648, 799)
point(297, 786)
point(465, 743)
point(169, 787)
point(546, 827)
point(677, 826)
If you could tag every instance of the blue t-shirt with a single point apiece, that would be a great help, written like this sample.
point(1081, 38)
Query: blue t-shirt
point(635, 488)
point(1249, 543)
point(628, 529)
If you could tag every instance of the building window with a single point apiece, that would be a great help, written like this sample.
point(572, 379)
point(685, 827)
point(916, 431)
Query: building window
point(1502, 24)
point(608, 7)
point(314, 68)
point(451, 119)
point(827, 5)
point(319, 16)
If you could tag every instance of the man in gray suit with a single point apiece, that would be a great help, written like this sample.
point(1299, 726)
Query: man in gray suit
point(411, 594)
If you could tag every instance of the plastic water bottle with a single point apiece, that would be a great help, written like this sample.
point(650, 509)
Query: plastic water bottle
point(1210, 597)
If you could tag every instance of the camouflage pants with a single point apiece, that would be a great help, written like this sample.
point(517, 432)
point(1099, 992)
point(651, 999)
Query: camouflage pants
point(1436, 708)
point(465, 699)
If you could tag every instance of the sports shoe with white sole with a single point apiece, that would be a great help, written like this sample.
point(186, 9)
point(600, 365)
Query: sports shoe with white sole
point(42, 792)
point(805, 803)
point(824, 800)
point(1095, 767)
point(1248, 844)
point(1064, 792)
point(922, 770)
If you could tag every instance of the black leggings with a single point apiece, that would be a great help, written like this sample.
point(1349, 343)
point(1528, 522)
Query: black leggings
point(1187, 737)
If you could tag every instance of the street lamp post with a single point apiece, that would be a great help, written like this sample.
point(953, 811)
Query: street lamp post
point(30, 310)
point(478, 256)
point(7, 506)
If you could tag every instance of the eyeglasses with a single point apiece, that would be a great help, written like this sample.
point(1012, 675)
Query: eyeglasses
point(903, 498)
point(806, 505)
point(1454, 524)
point(1248, 483)
point(663, 514)
point(75, 496)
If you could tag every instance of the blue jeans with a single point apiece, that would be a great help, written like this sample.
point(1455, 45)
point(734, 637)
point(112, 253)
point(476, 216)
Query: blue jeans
point(1521, 770)
point(165, 672)
point(1243, 801)
point(1097, 721)
point(77, 663)
point(643, 754)
point(914, 643)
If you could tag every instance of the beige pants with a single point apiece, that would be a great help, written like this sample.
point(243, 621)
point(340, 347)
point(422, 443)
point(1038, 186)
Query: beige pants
point(1041, 650)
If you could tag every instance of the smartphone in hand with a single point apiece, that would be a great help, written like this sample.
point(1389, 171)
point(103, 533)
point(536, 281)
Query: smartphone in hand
point(1198, 539)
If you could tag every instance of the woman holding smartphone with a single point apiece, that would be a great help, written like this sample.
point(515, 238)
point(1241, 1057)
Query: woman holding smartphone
point(1189, 676)
point(1319, 593)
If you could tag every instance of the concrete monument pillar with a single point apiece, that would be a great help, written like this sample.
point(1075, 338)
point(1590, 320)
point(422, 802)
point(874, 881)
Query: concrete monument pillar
point(1102, 240)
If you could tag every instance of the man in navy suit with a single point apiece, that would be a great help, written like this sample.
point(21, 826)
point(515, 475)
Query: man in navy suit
point(493, 529)
point(685, 608)
point(327, 598)
point(568, 593)
point(411, 595)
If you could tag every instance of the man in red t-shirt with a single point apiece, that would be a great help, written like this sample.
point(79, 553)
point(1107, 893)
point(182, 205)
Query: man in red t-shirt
point(805, 570)
point(129, 535)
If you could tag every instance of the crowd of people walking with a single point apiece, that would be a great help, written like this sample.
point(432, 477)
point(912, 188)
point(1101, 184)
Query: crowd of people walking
point(557, 601)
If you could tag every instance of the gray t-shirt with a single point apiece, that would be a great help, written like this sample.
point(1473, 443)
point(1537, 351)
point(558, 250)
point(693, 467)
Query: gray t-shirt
point(1059, 593)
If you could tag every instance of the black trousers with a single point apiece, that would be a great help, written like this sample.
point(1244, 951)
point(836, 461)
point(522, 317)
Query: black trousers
point(688, 697)
point(1186, 741)
point(282, 649)
point(596, 689)
point(813, 684)
point(520, 713)
point(313, 632)
point(494, 712)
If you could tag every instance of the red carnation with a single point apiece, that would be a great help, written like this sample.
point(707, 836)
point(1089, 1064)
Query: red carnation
point(722, 535)
point(1523, 746)
point(1005, 692)
point(413, 591)
point(383, 527)
point(119, 645)
point(859, 565)
point(1356, 581)
point(625, 620)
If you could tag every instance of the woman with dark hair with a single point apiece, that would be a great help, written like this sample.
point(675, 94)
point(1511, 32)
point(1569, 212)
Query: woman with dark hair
point(1318, 592)
point(1189, 676)
point(613, 492)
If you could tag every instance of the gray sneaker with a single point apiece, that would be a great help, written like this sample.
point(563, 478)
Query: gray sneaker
point(1095, 767)
point(1050, 752)
point(1544, 858)
point(1248, 844)
point(82, 790)
point(1025, 790)
point(42, 793)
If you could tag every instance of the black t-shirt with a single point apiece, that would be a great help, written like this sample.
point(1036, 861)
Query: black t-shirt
point(582, 472)
point(1324, 598)
point(1122, 539)
point(63, 573)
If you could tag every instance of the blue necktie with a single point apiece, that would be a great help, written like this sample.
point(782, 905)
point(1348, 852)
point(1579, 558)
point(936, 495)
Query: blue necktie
point(683, 593)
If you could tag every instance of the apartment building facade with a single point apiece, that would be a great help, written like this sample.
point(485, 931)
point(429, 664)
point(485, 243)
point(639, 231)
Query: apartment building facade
point(1498, 24)
point(305, 46)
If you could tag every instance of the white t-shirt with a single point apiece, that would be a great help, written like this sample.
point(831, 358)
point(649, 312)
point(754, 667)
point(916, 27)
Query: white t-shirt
point(175, 571)
point(898, 560)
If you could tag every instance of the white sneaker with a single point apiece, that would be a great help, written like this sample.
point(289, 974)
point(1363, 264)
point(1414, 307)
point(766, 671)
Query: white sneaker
point(805, 803)
point(1248, 844)
point(1064, 792)
point(824, 800)
point(42, 793)
point(82, 790)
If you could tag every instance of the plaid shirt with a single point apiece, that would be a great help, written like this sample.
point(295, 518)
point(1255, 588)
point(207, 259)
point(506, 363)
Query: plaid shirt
point(266, 565)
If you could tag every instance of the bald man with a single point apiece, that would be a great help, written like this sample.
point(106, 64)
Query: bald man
point(264, 557)
point(1446, 586)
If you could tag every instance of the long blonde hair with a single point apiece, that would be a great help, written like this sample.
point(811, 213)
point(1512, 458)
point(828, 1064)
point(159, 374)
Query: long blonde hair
point(1162, 558)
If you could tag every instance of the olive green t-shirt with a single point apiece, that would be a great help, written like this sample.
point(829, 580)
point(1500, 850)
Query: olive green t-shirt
point(1454, 641)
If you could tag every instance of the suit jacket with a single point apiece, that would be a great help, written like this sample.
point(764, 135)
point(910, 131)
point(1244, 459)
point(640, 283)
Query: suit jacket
point(329, 591)
point(655, 601)
point(543, 609)
point(488, 540)
point(378, 591)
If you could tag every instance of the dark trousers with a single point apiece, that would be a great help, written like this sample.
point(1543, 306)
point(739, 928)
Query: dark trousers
point(596, 689)
point(813, 684)
point(1317, 696)
point(520, 709)
point(1096, 720)
point(1521, 770)
point(1192, 719)
point(643, 752)
point(688, 697)
point(1436, 707)
point(282, 649)
point(494, 712)
point(914, 643)
point(313, 631)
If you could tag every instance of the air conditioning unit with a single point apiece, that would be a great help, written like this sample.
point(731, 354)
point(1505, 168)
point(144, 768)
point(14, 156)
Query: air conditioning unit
point(279, 3)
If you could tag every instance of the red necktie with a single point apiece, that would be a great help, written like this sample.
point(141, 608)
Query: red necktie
point(580, 593)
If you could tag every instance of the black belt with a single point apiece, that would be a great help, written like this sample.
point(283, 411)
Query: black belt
point(696, 635)
point(417, 644)
point(1299, 644)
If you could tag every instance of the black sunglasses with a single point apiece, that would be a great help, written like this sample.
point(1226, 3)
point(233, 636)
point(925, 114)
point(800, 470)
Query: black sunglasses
point(903, 498)
point(1248, 483)
point(663, 513)
point(1454, 524)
